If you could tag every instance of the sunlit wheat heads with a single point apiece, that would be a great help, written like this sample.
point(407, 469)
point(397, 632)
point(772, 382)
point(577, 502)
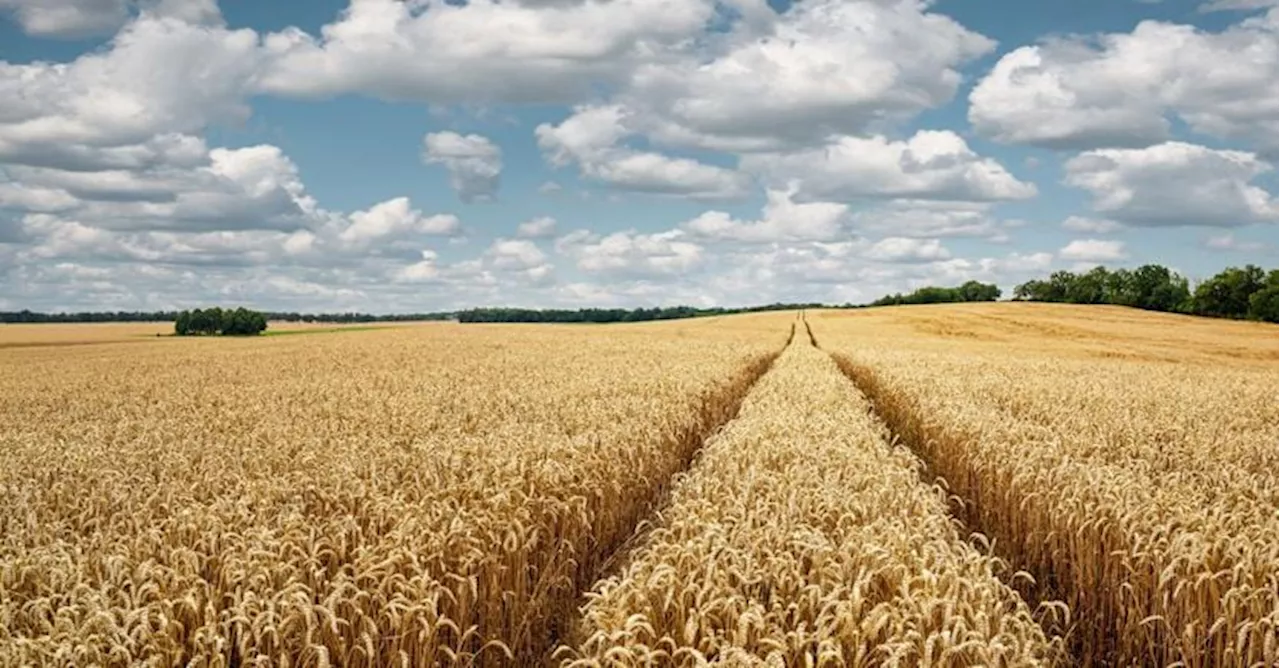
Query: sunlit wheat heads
point(1126, 460)
point(802, 536)
point(417, 496)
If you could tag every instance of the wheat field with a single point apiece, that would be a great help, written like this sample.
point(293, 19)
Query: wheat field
point(409, 496)
point(801, 534)
point(1130, 466)
point(1001, 485)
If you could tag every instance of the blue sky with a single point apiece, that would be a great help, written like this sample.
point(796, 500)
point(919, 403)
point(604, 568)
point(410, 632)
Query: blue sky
point(389, 157)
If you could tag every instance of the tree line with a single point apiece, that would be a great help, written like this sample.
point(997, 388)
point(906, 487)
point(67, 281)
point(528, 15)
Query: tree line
point(603, 315)
point(1242, 293)
point(204, 322)
point(1247, 293)
point(970, 291)
point(26, 316)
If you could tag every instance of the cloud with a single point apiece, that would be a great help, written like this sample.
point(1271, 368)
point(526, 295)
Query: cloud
point(70, 19)
point(192, 11)
point(393, 218)
point(483, 51)
point(1094, 225)
point(781, 220)
point(54, 237)
point(1174, 183)
point(112, 197)
point(1114, 90)
point(845, 272)
point(255, 187)
point(930, 165)
point(550, 188)
point(515, 254)
point(1228, 242)
point(537, 228)
point(1006, 270)
point(421, 271)
point(1234, 5)
point(474, 163)
point(823, 67)
point(591, 138)
point(631, 253)
point(159, 79)
point(67, 18)
point(520, 257)
point(1093, 250)
point(906, 249)
point(28, 198)
point(107, 140)
point(925, 218)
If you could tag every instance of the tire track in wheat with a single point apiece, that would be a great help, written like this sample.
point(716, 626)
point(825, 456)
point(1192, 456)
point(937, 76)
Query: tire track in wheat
point(801, 536)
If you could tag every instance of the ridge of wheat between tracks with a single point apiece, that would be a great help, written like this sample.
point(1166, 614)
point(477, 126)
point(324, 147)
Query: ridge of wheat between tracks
point(1038, 597)
point(719, 410)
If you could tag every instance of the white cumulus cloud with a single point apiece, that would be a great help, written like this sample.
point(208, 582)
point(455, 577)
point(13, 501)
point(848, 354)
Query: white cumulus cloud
point(1086, 224)
point(631, 253)
point(906, 249)
point(159, 76)
point(392, 218)
point(1093, 250)
point(1172, 184)
point(1229, 242)
point(474, 163)
point(482, 51)
point(1114, 90)
point(823, 67)
point(932, 164)
point(537, 228)
point(592, 138)
point(781, 220)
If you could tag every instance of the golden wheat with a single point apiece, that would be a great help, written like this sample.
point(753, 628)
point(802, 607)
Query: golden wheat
point(412, 496)
point(1127, 460)
point(802, 537)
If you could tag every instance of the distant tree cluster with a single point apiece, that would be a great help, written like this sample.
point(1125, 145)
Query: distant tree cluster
point(971, 291)
point(218, 321)
point(1239, 293)
point(1152, 287)
point(1248, 293)
point(599, 315)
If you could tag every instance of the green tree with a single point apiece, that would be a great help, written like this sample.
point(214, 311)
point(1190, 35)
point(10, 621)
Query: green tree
point(1264, 303)
point(1032, 291)
point(1228, 294)
point(202, 322)
point(1053, 289)
point(1089, 287)
point(973, 291)
point(1150, 286)
point(242, 322)
point(1121, 288)
point(1159, 289)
